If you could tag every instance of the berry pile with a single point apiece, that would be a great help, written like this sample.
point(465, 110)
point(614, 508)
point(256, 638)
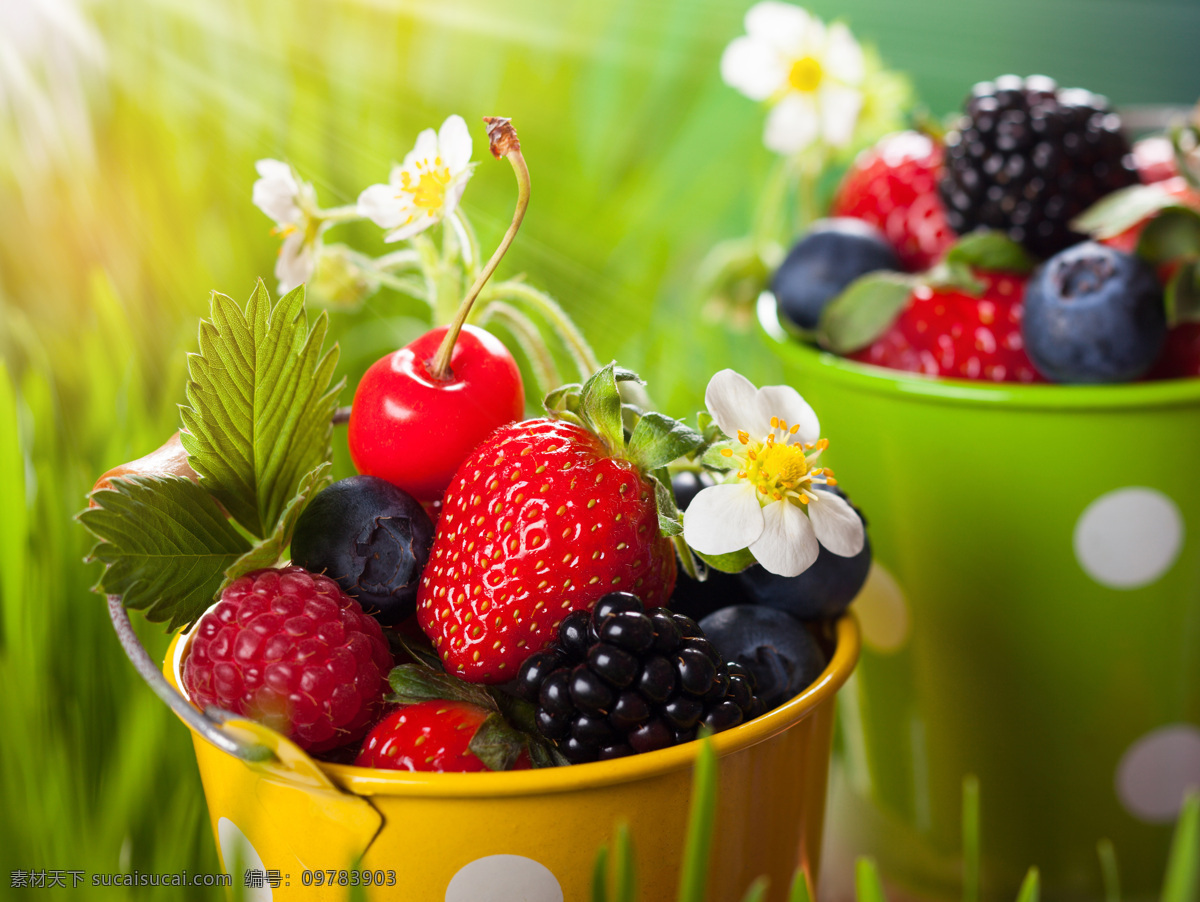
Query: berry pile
point(621, 680)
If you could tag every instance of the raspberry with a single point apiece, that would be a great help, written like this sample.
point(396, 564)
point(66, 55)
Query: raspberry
point(289, 649)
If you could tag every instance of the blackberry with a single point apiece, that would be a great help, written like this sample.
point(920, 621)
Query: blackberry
point(1028, 157)
point(621, 680)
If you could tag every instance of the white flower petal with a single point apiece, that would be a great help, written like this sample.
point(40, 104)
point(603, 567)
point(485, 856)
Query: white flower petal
point(792, 124)
point(295, 263)
point(275, 192)
point(783, 26)
point(836, 525)
point(843, 58)
point(787, 546)
point(381, 205)
point(426, 148)
point(730, 398)
point(421, 220)
point(752, 67)
point(723, 518)
point(785, 402)
point(454, 144)
point(839, 107)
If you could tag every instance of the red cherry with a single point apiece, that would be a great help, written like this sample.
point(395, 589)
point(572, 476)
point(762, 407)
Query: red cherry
point(414, 430)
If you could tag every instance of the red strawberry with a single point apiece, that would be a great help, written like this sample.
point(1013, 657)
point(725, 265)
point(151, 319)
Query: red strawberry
point(539, 521)
point(893, 186)
point(291, 649)
point(429, 736)
point(952, 334)
point(1154, 158)
point(1180, 357)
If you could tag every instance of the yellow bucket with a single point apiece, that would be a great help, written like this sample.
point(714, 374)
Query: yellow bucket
point(313, 828)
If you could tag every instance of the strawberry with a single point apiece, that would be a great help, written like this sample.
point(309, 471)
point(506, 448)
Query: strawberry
point(1154, 158)
point(1180, 357)
point(542, 519)
point(947, 332)
point(1177, 187)
point(893, 186)
point(433, 735)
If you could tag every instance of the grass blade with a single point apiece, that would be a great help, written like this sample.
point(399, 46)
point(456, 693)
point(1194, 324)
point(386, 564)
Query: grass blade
point(694, 875)
point(970, 838)
point(757, 891)
point(1108, 870)
point(799, 891)
point(623, 867)
point(1182, 882)
point(867, 885)
point(1030, 887)
point(600, 876)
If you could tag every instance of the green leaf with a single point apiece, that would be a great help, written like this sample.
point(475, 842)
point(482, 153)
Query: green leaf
point(657, 440)
point(1182, 882)
point(268, 551)
point(867, 885)
point(693, 875)
point(670, 523)
point(992, 251)
point(1030, 890)
point(1182, 294)
point(623, 866)
point(733, 562)
point(1122, 210)
point(864, 311)
point(565, 397)
point(600, 407)
point(715, 458)
point(1174, 234)
point(953, 276)
point(497, 744)
point(600, 876)
point(260, 410)
point(165, 544)
point(413, 683)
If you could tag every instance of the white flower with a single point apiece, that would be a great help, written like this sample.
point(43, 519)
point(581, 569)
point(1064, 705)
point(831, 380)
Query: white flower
point(426, 188)
point(809, 73)
point(290, 204)
point(768, 502)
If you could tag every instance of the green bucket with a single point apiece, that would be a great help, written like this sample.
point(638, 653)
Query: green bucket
point(1033, 619)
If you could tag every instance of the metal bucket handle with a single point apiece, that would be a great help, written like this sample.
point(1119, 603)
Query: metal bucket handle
point(207, 723)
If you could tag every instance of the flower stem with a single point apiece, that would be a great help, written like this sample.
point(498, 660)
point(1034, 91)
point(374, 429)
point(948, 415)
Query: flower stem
point(504, 143)
point(334, 215)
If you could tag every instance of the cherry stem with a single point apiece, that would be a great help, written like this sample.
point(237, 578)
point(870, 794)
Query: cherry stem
point(504, 144)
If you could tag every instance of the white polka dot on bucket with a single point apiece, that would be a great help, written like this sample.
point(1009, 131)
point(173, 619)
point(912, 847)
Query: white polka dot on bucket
point(1157, 770)
point(502, 878)
point(1129, 537)
point(882, 611)
point(238, 853)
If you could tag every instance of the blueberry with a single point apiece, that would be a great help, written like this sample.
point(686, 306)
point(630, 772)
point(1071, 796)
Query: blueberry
point(372, 538)
point(822, 591)
point(783, 655)
point(820, 265)
point(1093, 314)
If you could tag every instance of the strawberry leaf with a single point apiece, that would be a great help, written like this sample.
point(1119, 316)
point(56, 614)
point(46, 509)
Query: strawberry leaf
point(1182, 294)
point(670, 522)
point(165, 545)
point(497, 744)
point(1122, 210)
point(260, 409)
point(268, 551)
point(733, 562)
point(600, 407)
point(992, 251)
point(413, 683)
point(657, 440)
point(1174, 234)
point(864, 311)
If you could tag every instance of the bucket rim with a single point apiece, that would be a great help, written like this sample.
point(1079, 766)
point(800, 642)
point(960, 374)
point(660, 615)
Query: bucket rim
point(936, 390)
point(366, 781)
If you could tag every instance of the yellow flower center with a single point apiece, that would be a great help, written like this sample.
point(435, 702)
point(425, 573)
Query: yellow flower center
point(806, 74)
point(429, 191)
point(778, 470)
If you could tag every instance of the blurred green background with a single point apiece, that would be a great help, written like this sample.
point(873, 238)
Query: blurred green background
point(126, 162)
